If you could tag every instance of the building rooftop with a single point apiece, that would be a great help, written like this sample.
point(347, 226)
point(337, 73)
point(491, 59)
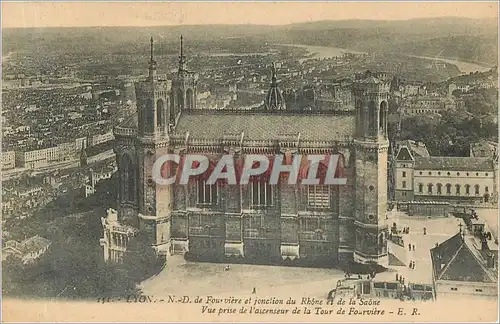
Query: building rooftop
point(453, 163)
point(262, 126)
point(32, 244)
point(457, 260)
point(417, 149)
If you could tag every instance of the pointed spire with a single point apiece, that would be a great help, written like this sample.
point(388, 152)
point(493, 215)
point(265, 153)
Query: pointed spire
point(274, 82)
point(152, 62)
point(182, 47)
point(182, 58)
point(274, 99)
point(151, 40)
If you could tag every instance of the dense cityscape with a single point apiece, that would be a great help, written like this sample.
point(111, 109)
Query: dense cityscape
point(62, 113)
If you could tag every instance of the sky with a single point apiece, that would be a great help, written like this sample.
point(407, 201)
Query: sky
point(81, 14)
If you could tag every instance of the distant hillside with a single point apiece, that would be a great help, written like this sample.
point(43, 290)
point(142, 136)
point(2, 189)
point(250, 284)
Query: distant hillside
point(464, 38)
point(468, 48)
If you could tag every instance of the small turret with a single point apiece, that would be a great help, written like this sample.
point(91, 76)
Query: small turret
point(83, 155)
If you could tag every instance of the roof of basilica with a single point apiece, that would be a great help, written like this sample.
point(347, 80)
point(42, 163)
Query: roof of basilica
point(262, 126)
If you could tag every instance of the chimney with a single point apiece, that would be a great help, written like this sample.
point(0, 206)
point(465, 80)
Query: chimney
point(490, 262)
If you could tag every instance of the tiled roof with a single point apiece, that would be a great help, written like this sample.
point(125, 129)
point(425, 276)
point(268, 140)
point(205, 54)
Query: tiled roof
point(455, 260)
point(445, 252)
point(130, 121)
point(417, 149)
point(404, 154)
point(257, 126)
point(453, 163)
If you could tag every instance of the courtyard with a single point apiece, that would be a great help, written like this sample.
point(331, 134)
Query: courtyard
point(438, 230)
point(183, 277)
point(195, 278)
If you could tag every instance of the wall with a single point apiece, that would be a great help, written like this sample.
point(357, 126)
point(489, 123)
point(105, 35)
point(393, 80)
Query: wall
point(444, 289)
point(462, 178)
point(288, 221)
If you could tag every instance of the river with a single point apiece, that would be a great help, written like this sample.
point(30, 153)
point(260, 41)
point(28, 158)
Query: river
point(329, 52)
point(464, 67)
point(322, 52)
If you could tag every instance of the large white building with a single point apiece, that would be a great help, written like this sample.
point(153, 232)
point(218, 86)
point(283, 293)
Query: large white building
point(445, 179)
point(35, 159)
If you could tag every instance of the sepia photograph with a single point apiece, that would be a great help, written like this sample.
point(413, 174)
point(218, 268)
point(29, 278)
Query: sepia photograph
point(249, 161)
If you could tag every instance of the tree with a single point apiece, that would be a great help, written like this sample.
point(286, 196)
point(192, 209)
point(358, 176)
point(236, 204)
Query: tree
point(141, 260)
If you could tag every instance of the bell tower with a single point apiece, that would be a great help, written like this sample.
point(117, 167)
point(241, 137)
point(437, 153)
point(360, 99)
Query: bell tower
point(184, 87)
point(152, 101)
point(371, 93)
point(154, 201)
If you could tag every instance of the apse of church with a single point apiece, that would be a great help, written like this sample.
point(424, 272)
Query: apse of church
point(320, 224)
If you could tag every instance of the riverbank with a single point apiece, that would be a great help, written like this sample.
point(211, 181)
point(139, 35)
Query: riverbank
point(321, 52)
point(463, 66)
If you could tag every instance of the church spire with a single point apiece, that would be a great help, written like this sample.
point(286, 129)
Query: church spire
point(152, 62)
point(274, 82)
point(182, 58)
point(274, 99)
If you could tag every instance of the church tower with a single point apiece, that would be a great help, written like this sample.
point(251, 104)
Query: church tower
point(153, 102)
point(143, 202)
point(371, 147)
point(184, 87)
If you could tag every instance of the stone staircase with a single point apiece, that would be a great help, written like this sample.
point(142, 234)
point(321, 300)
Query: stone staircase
point(399, 252)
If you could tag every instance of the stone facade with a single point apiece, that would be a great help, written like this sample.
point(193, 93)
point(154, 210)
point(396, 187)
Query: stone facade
point(319, 223)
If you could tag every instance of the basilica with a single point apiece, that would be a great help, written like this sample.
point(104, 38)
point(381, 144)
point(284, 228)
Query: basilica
point(323, 224)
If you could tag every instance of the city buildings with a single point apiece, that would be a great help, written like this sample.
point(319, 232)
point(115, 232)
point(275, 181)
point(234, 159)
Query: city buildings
point(427, 105)
point(8, 160)
point(28, 250)
point(318, 224)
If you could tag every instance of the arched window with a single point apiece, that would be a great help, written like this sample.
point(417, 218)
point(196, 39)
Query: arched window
point(383, 116)
point(476, 189)
point(127, 179)
point(448, 188)
point(150, 117)
point(189, 99)
point(429, 188)
point(160, 113)
point(467, 189)
point(372, 117)
point(180, 100)
point(457, 189)
point(171, 106)
point(420, 188)
point(439, 188)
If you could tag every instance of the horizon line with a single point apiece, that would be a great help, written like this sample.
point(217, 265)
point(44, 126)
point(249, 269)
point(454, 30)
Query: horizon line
point(252, 24)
